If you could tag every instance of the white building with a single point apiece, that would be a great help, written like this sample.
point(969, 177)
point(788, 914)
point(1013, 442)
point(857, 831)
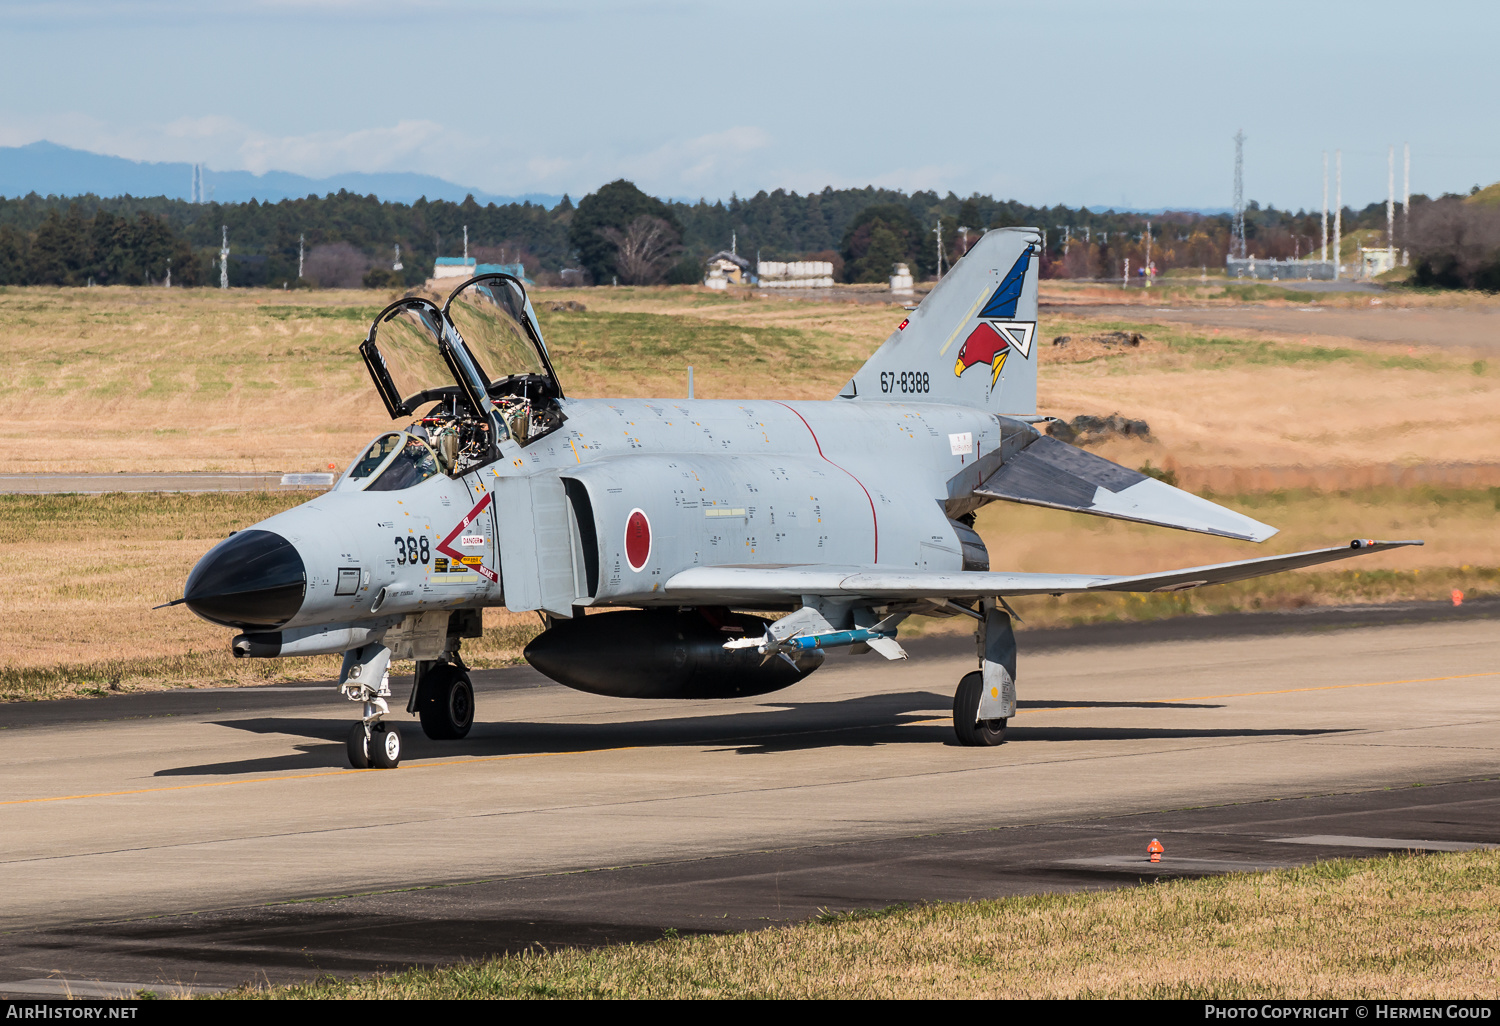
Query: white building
point(726, 268)
point(453, 267)
point(1376, 261)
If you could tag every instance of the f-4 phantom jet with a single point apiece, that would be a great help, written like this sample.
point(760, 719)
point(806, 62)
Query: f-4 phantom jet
point(682, 518)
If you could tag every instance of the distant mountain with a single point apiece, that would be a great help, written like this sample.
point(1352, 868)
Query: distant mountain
point(48, 169)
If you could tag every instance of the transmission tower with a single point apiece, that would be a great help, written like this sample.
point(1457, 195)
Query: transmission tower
point(224, 260)
point(1237, 241)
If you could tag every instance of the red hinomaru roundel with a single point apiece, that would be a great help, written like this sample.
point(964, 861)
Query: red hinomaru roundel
point(637, 539)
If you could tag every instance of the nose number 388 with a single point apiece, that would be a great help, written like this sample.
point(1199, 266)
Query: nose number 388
point(412, 549)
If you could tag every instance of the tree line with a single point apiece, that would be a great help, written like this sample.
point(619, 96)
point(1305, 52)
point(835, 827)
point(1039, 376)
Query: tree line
point(617, 233)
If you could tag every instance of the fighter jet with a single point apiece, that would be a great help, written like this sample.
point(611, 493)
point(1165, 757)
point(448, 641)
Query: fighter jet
point(674, 522)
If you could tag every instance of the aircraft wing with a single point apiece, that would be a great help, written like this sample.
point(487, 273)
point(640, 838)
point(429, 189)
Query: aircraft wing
point(742, 585)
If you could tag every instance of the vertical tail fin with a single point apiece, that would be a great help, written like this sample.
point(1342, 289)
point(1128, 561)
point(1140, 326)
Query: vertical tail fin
point(972, 341)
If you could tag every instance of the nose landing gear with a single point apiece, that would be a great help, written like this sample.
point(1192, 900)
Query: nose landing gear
point(367, 679)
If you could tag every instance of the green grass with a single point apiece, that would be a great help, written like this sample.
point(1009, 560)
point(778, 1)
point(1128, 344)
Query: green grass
point(130, 516)
point(1259, 293)
point(644, 342)
point(358, 314)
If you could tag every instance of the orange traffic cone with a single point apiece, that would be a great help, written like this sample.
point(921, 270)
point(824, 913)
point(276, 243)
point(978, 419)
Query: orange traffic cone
point(1154, 849)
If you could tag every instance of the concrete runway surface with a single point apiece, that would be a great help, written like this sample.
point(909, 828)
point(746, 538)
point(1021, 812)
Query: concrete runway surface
point(173, 836)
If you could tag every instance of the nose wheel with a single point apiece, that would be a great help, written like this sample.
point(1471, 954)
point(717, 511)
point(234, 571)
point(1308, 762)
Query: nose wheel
point(374, 745)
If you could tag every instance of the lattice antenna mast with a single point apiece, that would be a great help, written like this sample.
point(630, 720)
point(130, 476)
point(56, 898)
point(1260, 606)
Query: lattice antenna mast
point(939, 231)
point(301, 247)
point(1237, 241)
point(224, 260)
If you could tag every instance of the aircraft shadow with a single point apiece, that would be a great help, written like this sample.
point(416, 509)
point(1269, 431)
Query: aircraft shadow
point(915, 717)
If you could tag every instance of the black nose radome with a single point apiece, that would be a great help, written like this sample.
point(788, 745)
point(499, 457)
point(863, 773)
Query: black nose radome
point(252, 580)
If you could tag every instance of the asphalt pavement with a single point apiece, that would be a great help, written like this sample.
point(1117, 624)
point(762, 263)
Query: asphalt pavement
point(204, 838)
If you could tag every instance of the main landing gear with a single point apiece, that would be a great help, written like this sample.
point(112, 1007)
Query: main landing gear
point(986, 698)
point(971, 730)
point(443, 698)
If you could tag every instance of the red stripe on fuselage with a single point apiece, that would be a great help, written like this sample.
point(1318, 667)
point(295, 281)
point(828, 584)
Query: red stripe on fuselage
point(874, 521)
point(446, 546)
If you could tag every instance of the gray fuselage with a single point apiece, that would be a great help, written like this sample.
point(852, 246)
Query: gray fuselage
point(718, 482)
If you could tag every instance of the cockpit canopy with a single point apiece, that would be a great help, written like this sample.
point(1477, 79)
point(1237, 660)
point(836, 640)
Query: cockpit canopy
point(392, 462)
point(480, 358)
point(406, 339)
point(493, 317)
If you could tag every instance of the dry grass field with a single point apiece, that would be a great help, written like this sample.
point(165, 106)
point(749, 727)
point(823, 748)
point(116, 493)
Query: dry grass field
point(141, 379)
point(120, 379)
point(1399, 928)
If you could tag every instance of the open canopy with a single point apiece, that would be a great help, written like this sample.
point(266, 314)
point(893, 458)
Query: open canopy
point(484, 342)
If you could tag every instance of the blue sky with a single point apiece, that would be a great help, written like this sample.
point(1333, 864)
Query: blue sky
point(1073, 101)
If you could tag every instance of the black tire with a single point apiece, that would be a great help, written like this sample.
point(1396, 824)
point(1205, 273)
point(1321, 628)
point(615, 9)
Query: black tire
point(971, 730)
point(446, 703)
point(358, 757)
point(385, 746)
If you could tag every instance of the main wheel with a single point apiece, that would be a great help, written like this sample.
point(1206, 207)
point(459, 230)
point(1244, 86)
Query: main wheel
point(446, 703)
point(971, 730)
point(385, 746)
point(359, 757)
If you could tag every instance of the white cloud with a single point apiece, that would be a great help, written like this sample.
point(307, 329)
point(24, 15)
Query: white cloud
point(318, 154)
point(693, 163)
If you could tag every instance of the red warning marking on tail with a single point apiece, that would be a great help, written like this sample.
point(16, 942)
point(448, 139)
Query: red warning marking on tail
point(984, 345)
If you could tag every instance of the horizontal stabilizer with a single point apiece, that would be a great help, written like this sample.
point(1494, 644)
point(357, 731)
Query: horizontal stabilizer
point(1052, 473)
point(745, 586)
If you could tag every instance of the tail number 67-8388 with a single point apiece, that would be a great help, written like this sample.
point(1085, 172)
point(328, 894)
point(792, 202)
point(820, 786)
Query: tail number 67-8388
point(906, 382)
